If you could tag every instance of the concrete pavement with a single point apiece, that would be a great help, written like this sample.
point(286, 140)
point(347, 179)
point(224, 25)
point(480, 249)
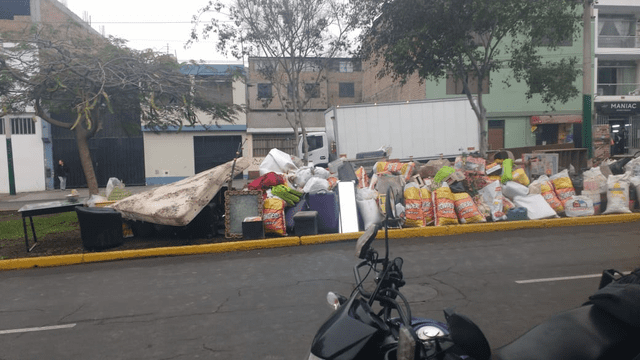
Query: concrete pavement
point(14, 202)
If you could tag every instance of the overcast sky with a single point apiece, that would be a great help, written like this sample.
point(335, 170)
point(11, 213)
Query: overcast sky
point(160, 25)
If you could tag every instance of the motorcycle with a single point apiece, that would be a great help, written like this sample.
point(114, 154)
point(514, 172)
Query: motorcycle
point(378, 324)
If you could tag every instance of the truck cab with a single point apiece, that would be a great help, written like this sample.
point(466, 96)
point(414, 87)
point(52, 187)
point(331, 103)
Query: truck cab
point(318, 148)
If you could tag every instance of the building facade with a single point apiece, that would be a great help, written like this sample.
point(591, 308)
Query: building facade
point(339, 83)
point(29, 139)
point(617, 78)
point(174, 154)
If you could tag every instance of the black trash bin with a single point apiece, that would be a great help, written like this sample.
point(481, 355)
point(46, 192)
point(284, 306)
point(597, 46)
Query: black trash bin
point(100, 228)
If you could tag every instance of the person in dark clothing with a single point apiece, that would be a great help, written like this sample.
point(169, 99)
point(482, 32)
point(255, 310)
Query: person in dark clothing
point(62, 171)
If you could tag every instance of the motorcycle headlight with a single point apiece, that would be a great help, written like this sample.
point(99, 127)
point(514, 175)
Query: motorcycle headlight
point(313, 357)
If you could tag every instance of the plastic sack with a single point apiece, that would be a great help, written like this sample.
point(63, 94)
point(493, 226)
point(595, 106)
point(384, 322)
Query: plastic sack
point(512, 189)
point(593, 180)
point(427, 206)
point(277, 161)
point(520, 176)
point(507, 166)
point(536, 205)
point(112, 184)
point(363, 178)
point(633, 167)
point(484, 209)
point(301, 177)
point(579, 206)
point(507, 205)
point(492, 196)
point(544, 187)
point(467, 210)
point(404, 169)
point(563, 186)
point(470, 164)
point(635, 182)
point(321, 172)
point(273, 216)
point(368, 206)
point(596, 200)
point(413, 207)
point(316, 185)
point(444, 207)
point(617, 194)
point(95, 199)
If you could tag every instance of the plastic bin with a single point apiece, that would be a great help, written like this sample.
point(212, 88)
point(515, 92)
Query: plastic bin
point(100, 228)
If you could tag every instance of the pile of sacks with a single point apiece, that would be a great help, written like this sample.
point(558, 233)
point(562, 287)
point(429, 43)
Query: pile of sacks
point(470, 190)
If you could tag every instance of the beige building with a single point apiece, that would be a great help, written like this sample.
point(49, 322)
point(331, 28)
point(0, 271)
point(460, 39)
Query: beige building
point(338, 83)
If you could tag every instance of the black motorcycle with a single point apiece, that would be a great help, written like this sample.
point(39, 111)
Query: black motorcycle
point(378, 324)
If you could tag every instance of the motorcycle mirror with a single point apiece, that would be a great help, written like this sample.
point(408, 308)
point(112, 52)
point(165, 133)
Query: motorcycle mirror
point(365, 240)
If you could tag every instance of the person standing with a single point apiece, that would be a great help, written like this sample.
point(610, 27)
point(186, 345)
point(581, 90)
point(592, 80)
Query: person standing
point(62, 171)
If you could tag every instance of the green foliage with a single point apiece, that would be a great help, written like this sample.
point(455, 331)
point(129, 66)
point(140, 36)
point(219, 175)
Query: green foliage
point(13, 229)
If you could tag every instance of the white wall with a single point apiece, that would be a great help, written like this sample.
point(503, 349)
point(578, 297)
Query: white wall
point(28, 160)
point(168, 154)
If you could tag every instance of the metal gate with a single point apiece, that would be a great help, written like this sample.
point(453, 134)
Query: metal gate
point(211, 151)
point(632, 141)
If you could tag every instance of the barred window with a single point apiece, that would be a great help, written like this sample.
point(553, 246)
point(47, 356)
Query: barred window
point(346, 90)
point(23, 126)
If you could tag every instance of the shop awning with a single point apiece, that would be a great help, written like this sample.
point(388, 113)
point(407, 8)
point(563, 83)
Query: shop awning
point(556, 119)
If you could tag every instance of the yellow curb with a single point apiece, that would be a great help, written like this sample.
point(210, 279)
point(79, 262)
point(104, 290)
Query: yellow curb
point(41, 261)
point(325, 238)
point(245, 245)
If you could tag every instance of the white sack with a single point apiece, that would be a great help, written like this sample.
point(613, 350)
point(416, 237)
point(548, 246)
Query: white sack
point(492, 196)
point(633, 167)
point(302, 176)
point(277, 161)
point(321, 172)
point(593, 180)
point(316, 185)
point(537, 207)
point(512, 189)
point(579, 206)
point(617, 194)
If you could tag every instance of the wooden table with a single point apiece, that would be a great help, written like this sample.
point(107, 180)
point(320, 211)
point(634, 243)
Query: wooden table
point(51, 207)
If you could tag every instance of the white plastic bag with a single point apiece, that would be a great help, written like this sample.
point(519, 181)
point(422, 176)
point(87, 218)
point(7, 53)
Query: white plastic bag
point(512, 189)
point(537, 207)
point(617, 194)
point(302, 176)
point(492, 196)
point(316, 185)
point(593, 180)
point(579, 206)
point(321, 172)
point(112, 184)
point(277, 161)
point(95, 199)
point(633, 167)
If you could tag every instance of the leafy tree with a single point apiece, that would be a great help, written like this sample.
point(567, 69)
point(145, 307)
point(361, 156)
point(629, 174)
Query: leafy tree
point(293, 37)
point(470, 39)
point(62, 70)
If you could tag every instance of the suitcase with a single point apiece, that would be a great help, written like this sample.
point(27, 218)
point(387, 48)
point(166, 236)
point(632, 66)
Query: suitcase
point(326, 204)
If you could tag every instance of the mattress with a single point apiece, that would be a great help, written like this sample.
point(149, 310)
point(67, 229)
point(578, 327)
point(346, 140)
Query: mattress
point(178, 203)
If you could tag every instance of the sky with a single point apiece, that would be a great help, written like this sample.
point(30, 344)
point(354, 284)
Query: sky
point(160, 25)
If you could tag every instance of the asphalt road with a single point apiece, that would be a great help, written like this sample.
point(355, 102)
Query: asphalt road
point(268, 304)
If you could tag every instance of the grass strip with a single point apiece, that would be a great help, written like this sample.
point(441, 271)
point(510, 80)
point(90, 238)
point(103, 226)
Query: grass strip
point(57, 223)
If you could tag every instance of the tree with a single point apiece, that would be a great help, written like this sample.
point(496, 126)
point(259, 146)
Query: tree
point(53, 70)
point(294, 36)
point(469, 39)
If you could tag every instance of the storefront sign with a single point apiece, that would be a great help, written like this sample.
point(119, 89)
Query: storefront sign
point(618, 107)
point(559, 119)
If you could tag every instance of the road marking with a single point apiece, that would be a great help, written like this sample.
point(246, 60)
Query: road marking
point(563, 278)
point(43, 328)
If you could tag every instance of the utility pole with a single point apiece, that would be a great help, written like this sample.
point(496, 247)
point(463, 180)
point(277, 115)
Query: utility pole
point(587, 79)
point(12, 178)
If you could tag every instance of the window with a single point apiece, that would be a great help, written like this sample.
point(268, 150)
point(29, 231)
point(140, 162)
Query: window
point(617, 78)
point(616, 31)
point(544, 41)
point(312, 90)
point(311, 66)
point(23, 126)
point(346, 66)
point(16, 7)
point(1, 126)
point(264, 91)
point(454, 86)
point(315, 142)
point(346, 90)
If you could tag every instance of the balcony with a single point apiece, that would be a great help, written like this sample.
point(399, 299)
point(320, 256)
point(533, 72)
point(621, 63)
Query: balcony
point(618, 89)
point(625, 42)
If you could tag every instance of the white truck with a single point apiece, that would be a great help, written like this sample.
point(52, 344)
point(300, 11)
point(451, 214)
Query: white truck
point(420, 129)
